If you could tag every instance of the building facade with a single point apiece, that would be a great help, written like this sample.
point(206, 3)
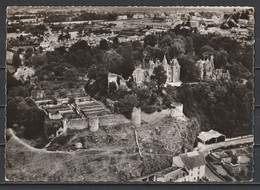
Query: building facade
point(143, 73)
point(207, 70)
point(193, 162)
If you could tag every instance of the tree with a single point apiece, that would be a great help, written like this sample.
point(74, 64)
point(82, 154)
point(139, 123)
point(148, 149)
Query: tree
point(126, 105)
point(71, 100)
point(28, 53)
point(34, 123)
point(189, 72)
point(221, 58)
point(176, 49)
point(81, 45)
point(112, 87)
point(37, 30)
point(159, 76)
point(189, 46)
point(16, 58)
point(115, 42)
point(150, 40)
point(206, 51)
point(103, 44)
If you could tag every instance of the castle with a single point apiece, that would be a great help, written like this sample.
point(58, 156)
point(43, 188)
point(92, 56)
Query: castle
point(207, 70)
point(143, 73)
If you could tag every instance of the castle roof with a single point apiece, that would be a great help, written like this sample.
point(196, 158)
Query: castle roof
point(164, 62)
point(175, 62)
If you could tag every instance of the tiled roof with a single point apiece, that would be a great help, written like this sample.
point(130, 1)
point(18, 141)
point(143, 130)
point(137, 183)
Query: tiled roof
point(193, 159)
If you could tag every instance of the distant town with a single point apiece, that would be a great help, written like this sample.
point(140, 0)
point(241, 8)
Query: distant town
point(137, 94)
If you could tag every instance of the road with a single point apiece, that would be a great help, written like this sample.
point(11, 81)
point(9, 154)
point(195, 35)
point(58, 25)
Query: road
point(211, 176)
point(205, 149)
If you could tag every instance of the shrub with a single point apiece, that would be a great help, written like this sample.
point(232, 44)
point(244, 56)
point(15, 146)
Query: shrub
point(149, 109)
point(112, 87)
point(167, 101)
point(62, 140)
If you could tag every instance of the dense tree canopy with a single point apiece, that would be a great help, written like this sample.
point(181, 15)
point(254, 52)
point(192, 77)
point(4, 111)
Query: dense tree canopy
point(159, 76)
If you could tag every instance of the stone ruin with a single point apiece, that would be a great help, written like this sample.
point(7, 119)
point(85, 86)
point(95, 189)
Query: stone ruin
point(136, 116)
point(93, 123)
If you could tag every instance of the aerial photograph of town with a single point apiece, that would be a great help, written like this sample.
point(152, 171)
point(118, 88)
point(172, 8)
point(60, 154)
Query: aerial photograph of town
point(129, 94)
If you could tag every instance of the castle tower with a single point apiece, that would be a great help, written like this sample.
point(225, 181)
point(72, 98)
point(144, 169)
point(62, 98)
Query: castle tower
point(176, 70)
point(166, 68)
point(209, 67)
point(151, 66)
point(136, 117)
point(164, 62)
point(200, 65)
point(93, 123)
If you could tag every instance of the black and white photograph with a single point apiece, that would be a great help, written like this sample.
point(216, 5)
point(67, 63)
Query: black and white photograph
point(129, 94)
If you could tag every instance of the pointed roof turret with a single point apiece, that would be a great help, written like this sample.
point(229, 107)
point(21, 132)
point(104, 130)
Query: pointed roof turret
point(164, 62)
point(175, 62)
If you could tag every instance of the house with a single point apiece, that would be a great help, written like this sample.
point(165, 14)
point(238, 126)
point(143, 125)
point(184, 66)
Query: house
point(211, 137)
point(193, 163)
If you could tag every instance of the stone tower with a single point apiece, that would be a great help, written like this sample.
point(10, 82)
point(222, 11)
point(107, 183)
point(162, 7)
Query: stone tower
point(93, 122)
point(136, 117)
point(209, 67)
point(175, 70)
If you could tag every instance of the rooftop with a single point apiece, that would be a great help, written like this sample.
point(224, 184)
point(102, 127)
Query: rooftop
point(209, 135)
point(189, 160)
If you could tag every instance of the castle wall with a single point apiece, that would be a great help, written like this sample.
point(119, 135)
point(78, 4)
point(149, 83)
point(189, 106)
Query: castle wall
point(173, 112)
point(80, 123)
point(113, 119)
point(149, 118)
point(177, 111)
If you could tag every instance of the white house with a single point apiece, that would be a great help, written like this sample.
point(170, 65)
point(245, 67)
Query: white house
point(193, 162)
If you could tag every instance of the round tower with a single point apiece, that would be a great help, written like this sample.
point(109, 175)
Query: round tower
point(93, 123)
point(136, 117)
